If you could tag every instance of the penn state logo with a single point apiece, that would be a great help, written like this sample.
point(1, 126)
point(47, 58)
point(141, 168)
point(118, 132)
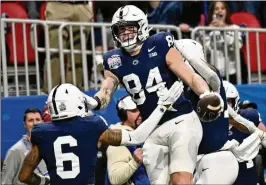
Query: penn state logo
point(135, 62)
point(114, 62)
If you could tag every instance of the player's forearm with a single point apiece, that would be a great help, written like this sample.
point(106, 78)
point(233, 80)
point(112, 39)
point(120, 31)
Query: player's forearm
point(207, 73)
point(246, 124)
point(107, 90)
point(198, 85)
point(143, 131)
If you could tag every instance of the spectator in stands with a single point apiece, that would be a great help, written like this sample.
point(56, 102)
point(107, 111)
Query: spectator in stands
point(219, 17)
point(124, 164)
point(16, 154)
point(183, 14)
point(78, 11)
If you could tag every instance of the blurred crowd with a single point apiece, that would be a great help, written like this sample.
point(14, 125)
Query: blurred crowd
point(184, 14)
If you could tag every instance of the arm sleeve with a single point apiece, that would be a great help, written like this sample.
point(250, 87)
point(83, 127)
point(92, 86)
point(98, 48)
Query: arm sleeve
point(143, 131)
point(35, 137)
point(250, 125)
point(197, 60)
point(11, 167)
point(120, 164)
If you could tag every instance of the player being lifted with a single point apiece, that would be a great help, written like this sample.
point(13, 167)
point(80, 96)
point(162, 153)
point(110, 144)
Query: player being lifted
point(215, 133)
point(143, 63)
point(69, 143)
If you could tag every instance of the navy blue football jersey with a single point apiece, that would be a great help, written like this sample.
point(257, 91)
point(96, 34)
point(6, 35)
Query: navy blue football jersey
point(69, 148)
point(142, 74)
point(247, 172)
point(215, 133)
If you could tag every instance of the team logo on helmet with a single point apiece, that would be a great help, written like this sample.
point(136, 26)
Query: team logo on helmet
point(62, 107)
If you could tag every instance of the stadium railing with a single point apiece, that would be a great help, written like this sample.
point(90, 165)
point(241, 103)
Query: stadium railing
point(16, 71)
point(253, 50)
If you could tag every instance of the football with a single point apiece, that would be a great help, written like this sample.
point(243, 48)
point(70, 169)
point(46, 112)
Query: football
point(209, 107)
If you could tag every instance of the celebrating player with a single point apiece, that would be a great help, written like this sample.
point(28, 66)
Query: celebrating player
point(143, 63)
point(215, 133)
point(69, 143)
point(249, 143)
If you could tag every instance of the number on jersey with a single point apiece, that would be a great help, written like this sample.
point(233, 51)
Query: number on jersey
point(61, 157)
point(170, 40)
point(137, 91)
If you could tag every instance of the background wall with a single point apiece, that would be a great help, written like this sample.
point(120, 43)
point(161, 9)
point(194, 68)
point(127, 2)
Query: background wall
point(13, 109)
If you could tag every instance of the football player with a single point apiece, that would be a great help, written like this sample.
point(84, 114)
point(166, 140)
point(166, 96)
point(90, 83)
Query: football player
point(143, 63)
point(211, 159)
point(69, 143)
point(247, 171)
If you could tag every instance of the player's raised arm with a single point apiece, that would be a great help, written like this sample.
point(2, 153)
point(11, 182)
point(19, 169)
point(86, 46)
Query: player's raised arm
point(103, 97)
point(138, 136)
point(197, 60)
point(31, 161)
point(177, 65)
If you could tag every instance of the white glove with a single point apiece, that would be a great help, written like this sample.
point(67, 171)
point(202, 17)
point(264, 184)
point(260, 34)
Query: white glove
point(262, 136)
point(168, 97)
point(91, 102)
point(216, 94)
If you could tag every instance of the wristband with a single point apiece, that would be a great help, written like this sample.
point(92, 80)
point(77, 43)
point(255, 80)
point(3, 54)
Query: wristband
point(98, 103)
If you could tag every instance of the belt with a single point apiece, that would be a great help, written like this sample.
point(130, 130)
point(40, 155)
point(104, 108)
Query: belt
point(74, 2)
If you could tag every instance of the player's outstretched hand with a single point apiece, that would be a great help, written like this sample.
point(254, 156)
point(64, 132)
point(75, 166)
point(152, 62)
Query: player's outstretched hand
point(168, 97)
point(91, 102)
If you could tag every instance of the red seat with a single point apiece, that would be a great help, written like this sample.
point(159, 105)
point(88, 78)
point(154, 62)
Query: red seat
point(250, 21)
point(15, 10)
point(42, 11)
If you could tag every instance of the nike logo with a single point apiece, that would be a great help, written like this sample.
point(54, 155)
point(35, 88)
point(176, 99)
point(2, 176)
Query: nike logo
point(178, 122)
point(149, 50)
point(204, 169)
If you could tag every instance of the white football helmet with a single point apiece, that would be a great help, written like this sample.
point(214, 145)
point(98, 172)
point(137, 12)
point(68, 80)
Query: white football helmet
point(66, 101)
point(130, 15)
point(231, 94)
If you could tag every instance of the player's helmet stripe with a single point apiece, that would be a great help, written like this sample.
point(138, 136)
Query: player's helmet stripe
point(121, 12)
point(53, 99)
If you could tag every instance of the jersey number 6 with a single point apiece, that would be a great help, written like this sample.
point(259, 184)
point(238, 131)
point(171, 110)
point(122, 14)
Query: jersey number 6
point(61, 157)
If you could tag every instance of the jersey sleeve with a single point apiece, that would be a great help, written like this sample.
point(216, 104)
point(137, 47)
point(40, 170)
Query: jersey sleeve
point(105, 59)
point(102, 126)
point(164, 41)
point(99, 124)
point(35, 135)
